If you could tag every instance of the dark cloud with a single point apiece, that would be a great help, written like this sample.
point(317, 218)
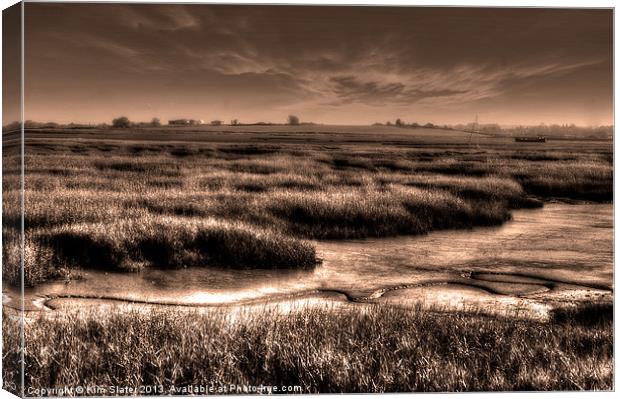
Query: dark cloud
point(92, 61)
point(349, 89)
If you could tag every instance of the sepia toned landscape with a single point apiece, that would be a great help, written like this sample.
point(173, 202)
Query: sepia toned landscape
point(188, 257)
point(249, 219)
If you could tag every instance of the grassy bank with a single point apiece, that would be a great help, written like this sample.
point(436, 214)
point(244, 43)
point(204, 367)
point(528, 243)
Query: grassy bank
point(133, 204)
point(383, 349)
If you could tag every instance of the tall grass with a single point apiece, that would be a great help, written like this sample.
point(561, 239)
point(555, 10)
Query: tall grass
point(165, 241)
point(277, 195)
point(380, 349)
point(374, 212)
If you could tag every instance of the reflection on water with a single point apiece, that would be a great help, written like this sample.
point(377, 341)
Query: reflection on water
point(562, 242)
point(566, 243)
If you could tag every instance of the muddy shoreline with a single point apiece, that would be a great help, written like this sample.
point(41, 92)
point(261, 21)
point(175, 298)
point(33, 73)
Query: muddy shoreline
point(548, 265)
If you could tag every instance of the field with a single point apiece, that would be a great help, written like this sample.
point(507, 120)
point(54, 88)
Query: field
point(382, 349)
point(257, 197)
point(129, 200)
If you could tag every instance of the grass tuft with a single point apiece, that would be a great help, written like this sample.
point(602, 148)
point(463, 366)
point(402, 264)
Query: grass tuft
point(175, 242)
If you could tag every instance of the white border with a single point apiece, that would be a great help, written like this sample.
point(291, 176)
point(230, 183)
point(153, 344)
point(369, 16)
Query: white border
point(461, 3)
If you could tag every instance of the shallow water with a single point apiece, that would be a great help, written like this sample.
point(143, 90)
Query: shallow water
point(558, 253)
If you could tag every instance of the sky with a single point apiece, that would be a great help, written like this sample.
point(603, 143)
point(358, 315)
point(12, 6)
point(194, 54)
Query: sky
point(90, 63)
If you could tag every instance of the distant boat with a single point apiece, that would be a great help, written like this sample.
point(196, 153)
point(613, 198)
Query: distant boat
point(537, 139)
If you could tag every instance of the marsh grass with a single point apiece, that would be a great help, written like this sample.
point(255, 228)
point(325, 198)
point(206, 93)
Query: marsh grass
point(118, 199)
point(388, 211)
point(165, 242)
point(381, 349)
point(588, 315)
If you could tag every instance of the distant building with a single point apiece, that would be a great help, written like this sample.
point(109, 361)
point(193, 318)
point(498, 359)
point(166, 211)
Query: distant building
point(185, 122)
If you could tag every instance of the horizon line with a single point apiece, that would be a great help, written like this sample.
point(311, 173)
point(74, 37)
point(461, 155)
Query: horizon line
point(301, 123)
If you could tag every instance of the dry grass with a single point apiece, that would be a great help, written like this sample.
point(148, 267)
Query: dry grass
point(165, 241)
point(122, 204)
point(113, 195)
point(382, 349)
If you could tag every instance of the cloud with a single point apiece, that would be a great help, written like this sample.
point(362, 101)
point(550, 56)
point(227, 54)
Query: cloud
point(311, 57)
point(163, 18)
point(349, 89)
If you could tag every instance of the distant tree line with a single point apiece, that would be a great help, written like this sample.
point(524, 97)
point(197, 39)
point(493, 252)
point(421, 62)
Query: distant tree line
point(554, 130)
point(599, 132)
point(29, 124)
point(401, 123)
point(123, 122)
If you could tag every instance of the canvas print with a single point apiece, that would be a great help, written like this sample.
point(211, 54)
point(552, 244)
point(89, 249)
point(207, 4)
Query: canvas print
point(207, 199)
